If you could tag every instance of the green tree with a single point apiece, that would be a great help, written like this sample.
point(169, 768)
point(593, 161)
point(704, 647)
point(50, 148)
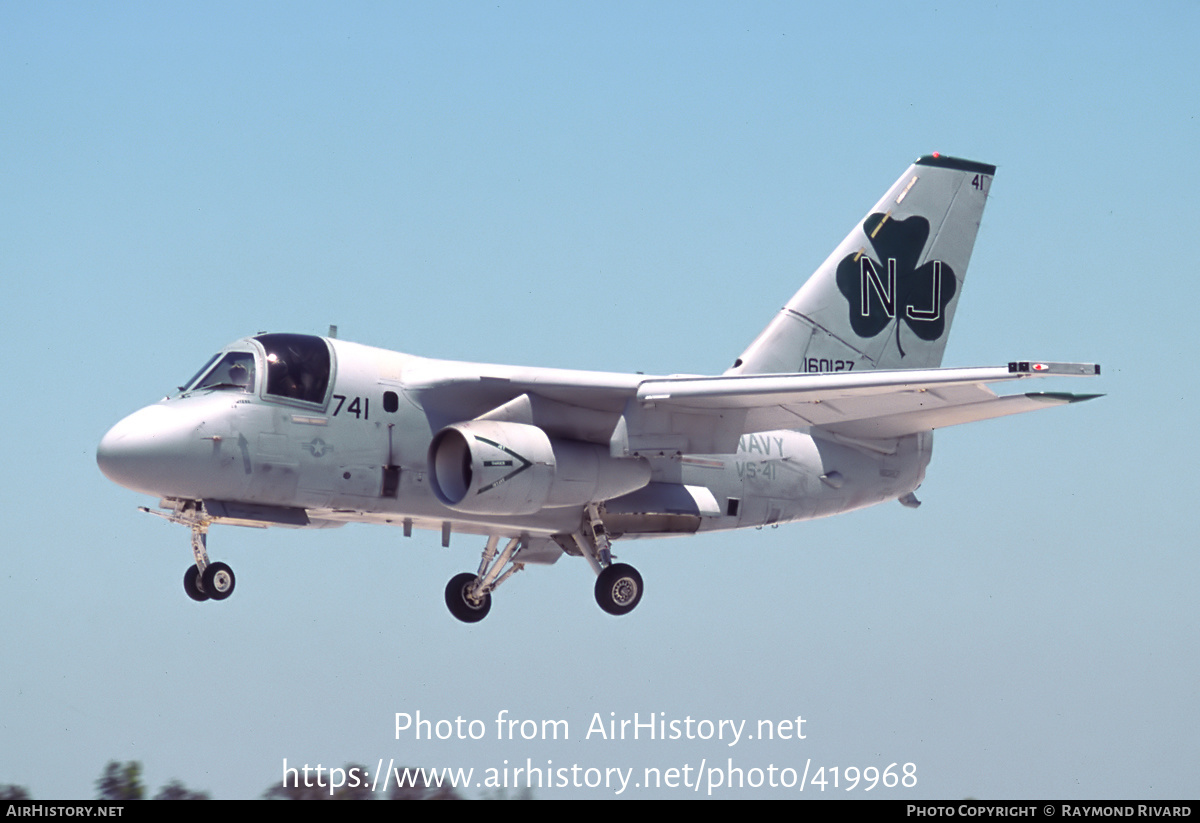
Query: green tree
point(121, 781)
point(175, 790)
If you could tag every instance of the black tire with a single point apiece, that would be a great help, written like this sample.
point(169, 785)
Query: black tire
point(191, 584)
point(218, 581)
point(458, 603)
point(619, 588)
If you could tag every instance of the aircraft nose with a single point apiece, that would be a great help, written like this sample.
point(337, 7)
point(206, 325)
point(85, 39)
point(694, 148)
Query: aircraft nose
point(149, 451)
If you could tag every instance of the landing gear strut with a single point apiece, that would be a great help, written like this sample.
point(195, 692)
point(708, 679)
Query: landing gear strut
point(618, 585)
point(469, 596)
point(204, 580)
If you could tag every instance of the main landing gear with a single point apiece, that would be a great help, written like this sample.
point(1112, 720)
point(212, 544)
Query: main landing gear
point(469, 596)
point(618, 588)
point(203, 580)
point(618, 585)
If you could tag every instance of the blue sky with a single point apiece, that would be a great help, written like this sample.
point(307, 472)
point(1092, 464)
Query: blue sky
point(619, 187)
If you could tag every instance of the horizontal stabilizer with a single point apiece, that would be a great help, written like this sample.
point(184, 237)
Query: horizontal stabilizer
point(897, 425)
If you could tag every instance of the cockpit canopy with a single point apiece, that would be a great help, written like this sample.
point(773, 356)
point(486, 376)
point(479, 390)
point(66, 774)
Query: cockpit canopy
point(297, 368)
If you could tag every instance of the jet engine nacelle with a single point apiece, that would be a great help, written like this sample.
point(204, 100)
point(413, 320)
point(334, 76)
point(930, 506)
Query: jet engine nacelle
point(495, 467)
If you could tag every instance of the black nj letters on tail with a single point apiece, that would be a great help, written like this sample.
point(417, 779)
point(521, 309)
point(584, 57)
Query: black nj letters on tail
point(923, 291)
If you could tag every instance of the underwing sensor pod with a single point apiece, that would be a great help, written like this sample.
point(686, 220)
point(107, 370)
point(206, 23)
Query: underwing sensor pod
point(830, 408)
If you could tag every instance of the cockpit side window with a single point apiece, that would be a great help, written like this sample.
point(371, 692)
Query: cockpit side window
point(234, 371)
point(298, 366)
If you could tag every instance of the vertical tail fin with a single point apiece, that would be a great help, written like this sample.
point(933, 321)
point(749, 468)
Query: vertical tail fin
point(885, 298)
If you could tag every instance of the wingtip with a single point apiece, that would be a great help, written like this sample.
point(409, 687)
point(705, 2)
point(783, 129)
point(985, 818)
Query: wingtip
point(1046, 367)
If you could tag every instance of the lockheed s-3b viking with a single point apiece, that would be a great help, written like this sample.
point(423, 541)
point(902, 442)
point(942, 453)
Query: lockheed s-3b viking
point(830, 409)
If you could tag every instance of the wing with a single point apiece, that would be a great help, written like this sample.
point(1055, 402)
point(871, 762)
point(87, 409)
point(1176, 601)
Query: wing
point(653, 416)
point(707, 415)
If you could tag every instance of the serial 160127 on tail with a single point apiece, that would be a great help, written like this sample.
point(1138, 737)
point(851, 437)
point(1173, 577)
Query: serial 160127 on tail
point(830, 409)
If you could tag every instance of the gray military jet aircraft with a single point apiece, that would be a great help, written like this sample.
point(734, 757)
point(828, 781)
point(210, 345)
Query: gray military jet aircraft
point(830, 409)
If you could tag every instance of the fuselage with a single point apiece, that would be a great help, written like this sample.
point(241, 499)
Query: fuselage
point(343, 432)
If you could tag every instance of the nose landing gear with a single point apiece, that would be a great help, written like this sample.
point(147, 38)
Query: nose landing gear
point(204, 580)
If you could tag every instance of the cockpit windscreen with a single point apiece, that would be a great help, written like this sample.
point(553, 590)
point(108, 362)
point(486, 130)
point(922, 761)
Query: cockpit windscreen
point(234, 371)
